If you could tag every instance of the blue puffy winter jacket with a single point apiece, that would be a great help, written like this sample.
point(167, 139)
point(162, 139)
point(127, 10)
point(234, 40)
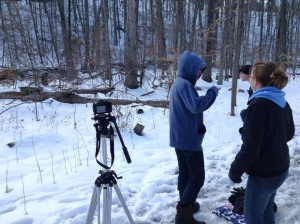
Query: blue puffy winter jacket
point(186, 106)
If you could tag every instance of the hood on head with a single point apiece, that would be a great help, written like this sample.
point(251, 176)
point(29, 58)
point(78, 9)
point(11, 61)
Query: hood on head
point(189, 65)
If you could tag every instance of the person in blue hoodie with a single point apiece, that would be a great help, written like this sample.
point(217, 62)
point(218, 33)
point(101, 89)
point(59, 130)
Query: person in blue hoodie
point(264, 154)
point(187, 132)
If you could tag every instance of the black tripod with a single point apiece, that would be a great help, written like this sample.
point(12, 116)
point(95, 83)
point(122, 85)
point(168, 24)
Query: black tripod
point(108, 178)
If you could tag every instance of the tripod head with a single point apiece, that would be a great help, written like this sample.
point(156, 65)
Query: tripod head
point(103, 119)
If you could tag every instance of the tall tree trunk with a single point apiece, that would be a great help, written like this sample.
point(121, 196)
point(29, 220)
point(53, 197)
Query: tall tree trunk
point(225, 43)
point(105, 42)
point(160, 33)
point(237, 50)
point(209, 41)
point(261, 23)
point(131, 45)
point(96, 34)
point(281, 51)
point(191, 42)
point(181, 25)
point(86, 34)
point(6, 42)
point(36, 32)
point(144, 47)
point(66, 34)
point(116, 23)
point(53, 35)
point(270, 55)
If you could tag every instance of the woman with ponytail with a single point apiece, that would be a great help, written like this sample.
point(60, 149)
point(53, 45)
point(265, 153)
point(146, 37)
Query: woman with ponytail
point(264, 154)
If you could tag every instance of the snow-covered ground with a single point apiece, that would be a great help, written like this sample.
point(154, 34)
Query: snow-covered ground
point(47, 176)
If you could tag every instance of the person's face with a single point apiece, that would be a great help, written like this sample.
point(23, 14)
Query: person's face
point(244, 77)
point(255, 85)
point(199, 74)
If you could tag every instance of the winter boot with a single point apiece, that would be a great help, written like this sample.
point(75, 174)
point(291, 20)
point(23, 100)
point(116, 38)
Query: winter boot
point(195, 206)
point(185, 215)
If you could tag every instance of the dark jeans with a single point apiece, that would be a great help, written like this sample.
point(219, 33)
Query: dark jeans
point(191, 174)
point(259, 198)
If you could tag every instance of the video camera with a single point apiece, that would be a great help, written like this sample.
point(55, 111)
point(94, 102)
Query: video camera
point(102, 107)
point(103, 119)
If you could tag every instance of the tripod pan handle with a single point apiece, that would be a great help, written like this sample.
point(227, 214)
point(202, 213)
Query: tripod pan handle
point(125, 151)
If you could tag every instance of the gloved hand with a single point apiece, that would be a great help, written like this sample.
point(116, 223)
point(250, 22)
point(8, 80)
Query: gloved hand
point(241, 130)
point(233, 178)
point(215, 89)
point(238, 191)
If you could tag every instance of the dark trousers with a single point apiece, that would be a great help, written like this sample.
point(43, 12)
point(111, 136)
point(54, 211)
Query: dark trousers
point(191, 174)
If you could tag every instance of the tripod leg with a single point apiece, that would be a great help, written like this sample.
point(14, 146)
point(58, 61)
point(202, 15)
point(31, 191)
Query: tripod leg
point(107, 198)
point(93, 205)
point(121, 198)
point(98, 205)
point(109, 203)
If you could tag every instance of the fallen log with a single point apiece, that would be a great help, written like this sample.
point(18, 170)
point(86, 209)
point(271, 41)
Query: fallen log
point(91, 91)
point(28, 89)
point(71, 97)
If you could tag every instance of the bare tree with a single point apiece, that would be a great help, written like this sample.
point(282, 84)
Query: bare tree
point(84, 18)
point(70, 33)
point(53, 33)
point(105, 50)
point(36, 31)
point(192, 46)
point(6, 46)
point(96, 35)
point(294, 46)
point(270, 30)
point(66, 34)
point(261, 24)
point(117, 27)
point(180, 24)
point(226, 45)
point(237, 50)
point(281, 39)
point(160, 33)
point(131, 45)
point(146, 21)
point(210, 33)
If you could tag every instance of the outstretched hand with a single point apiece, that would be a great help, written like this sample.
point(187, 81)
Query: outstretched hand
point(215, 89)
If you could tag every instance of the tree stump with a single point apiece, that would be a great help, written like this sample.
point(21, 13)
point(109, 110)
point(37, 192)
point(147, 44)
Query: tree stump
point(45, 79)
point(138, 129)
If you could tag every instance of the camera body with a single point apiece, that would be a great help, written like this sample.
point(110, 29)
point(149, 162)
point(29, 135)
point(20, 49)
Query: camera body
point(102, 107)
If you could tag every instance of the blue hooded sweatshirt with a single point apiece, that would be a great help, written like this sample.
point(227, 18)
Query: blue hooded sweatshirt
point(186, 106)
